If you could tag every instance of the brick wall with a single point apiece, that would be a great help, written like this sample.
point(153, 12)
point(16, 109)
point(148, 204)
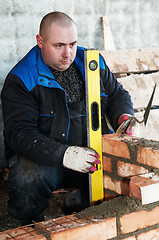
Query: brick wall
point(124, 159)
point(137, 225)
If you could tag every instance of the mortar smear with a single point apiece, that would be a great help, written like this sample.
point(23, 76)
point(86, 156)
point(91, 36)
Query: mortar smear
point(116, 207)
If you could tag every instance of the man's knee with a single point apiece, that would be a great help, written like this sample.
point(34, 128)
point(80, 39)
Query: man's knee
point(28, 194)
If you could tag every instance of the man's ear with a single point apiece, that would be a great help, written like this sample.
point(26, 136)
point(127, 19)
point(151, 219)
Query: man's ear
point(39, 40)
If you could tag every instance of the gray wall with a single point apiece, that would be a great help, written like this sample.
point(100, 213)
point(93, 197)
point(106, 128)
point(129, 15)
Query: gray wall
point(134, 24)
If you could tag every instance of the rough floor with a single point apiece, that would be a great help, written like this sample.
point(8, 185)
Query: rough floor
point(7, 222)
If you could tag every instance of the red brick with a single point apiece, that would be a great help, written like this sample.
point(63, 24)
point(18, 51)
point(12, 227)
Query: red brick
point(4, 236)
point(150, 235)
point(54, 228)
point(59, 224)
point(128, 169)
point(135, 190)
point(108, 196)
point(28, 229)
point(45, 224)
point(18, 231)
point(113, 145)
point(56, 223)
point(148, 156)
point(65, 219)
point(120, 187)
point(36, 237)
point(145, 187)
point(104, 229)
point(32, 231)
point(107, 164)
point(138, 220)
point(21, 234)
point(130, 238)
point(82, 221)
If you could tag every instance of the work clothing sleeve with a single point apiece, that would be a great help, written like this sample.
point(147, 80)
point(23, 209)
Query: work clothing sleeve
point(118, 100)
point(21, 114)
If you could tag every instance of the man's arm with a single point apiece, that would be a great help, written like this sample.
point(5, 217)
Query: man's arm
point(118, 99)
point(20, 114)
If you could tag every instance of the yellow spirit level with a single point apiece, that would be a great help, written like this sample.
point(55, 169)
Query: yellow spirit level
point(94, 132)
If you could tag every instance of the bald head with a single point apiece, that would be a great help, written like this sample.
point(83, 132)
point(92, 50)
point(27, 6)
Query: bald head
point(58, 40)
point(58, 18)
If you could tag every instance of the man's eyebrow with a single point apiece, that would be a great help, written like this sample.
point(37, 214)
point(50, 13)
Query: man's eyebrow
point(73, 42)
point(61, 43)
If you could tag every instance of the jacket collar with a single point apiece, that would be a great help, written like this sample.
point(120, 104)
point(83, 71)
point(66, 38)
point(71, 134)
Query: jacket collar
point(43, 69)
point(79, 60)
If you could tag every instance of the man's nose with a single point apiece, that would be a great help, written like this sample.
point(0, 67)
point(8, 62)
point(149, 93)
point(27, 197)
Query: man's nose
point(66, 52)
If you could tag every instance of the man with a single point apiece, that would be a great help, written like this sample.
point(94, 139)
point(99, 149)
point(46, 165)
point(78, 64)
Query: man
point(43, 103)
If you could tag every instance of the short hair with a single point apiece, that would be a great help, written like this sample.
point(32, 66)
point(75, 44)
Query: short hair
point(59, 18)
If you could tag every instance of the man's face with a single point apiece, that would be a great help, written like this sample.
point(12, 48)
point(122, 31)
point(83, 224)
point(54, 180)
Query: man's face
point(59, 46)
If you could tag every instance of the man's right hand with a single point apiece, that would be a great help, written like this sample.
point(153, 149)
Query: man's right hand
point(81, 159)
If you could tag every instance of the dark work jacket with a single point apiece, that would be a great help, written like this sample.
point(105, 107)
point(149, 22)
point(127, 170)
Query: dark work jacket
point(37, 118)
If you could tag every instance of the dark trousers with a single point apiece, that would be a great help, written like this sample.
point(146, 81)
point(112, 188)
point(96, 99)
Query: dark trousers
point(30, 187)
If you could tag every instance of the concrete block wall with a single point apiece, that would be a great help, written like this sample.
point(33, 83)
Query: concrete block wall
point(2, 158)
point(20, 23)
point(134, 24)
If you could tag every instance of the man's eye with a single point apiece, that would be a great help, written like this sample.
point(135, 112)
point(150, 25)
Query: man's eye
point(58, 46)
point(73, 44)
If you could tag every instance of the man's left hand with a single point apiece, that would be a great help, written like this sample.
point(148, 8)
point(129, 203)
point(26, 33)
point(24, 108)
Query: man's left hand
point(125, 120)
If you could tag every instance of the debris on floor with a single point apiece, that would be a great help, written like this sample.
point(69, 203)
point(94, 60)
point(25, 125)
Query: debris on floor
point(53, 211)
